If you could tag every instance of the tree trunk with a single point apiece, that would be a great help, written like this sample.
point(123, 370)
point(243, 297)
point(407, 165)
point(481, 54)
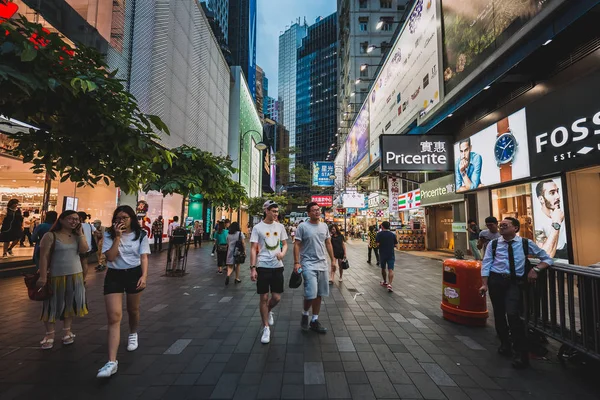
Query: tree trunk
point(46, 196)
point(185, 196)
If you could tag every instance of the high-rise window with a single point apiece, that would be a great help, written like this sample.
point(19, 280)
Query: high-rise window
point(363, 47)
point(363, 23)
point(385, 3)
point(362, 3)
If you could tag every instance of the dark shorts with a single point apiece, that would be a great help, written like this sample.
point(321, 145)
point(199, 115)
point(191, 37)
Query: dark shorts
point(388, 263)
point(269, 280)
point(122, 280)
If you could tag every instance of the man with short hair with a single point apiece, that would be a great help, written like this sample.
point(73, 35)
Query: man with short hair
point(468, 167)
point(172, 226)
point(387, 241)
point(489, 234)
point(268, 247)
point(157, 233)
point(550, 232)
point(312, 242)
point(504, 270)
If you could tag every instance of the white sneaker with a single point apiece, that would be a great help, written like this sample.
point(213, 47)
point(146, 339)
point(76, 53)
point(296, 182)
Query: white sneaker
point(266, 335)
point(271, 318)
point(109, 369)
point(132, 342)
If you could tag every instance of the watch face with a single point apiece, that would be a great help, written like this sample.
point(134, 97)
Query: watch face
point(505, 148)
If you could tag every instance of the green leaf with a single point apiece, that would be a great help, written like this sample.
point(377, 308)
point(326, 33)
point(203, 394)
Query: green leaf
point(28, 54)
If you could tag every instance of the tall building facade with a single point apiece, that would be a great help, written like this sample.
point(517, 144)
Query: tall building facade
point(260, 92)
point(220, 13)
point(271, 108)
point(289, 43)
point(361, 24)
point(316, 91)
point(242, 38)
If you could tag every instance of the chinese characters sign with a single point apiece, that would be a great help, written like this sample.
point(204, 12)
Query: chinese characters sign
point(394, 190)
point(322, 171)
point(438, 191)
point(322, 201)
point(413, 153)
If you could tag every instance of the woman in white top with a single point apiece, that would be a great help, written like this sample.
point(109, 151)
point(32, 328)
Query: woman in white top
point(126, 248)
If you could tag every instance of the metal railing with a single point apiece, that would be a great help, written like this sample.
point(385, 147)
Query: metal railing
point(564, 304)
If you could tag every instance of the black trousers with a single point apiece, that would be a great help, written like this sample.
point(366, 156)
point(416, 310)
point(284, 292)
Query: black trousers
point(26, 234)
point(157, 243)
point(376, 251)
point(197, 241)
point(507, 300)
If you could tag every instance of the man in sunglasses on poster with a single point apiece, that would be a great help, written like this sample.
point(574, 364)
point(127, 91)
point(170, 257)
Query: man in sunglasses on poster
point(504, 270)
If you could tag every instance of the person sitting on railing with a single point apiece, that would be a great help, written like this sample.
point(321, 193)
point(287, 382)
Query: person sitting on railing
point(506, 269)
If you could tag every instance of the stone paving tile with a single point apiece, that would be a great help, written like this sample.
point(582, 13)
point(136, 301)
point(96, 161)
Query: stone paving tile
point(380, 344)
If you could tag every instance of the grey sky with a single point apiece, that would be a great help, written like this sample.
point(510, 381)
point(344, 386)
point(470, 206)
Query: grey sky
point(274, 16)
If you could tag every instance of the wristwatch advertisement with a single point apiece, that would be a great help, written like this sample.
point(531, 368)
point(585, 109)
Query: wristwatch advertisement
point(505, 149)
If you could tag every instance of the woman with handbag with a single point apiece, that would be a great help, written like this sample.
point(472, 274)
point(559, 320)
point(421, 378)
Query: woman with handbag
point(61, 270)
point(236, 251)
point(12, 227)
point(338, 242)
point(126, 247)
point(220, 237)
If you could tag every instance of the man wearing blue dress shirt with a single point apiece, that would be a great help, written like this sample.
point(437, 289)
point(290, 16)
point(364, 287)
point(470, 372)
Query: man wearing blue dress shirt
point(468, 167)
point(504, 273)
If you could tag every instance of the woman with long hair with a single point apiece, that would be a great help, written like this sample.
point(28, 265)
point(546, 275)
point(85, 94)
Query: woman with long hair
point(59, 257)
point(12, 227)
point(338, 242)
point(126, 248)
point(220, 237)
point(234, 235)
point(39, 232)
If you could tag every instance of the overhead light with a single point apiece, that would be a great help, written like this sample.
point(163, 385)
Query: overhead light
point(357, 81)
point(449, 115)
point(487, 87)
point(363, 67)
point(379, 24)
point(547, 42)
point(370, 48)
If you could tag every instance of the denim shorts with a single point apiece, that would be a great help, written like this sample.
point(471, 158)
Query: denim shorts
point(316, 283)
point(389, 263)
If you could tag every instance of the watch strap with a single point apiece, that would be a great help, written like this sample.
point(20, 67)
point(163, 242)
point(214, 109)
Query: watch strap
point(505, 169)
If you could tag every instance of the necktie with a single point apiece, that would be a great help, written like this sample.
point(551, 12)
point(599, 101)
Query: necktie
point(511, 261)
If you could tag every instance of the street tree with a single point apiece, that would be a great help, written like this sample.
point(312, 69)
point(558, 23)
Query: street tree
point(255, 204)
point(194, 171)
point(88, 128)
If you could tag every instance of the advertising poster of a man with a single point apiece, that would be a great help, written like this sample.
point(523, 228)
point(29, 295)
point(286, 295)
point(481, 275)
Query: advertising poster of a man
point(549, 218)
point(468, 167)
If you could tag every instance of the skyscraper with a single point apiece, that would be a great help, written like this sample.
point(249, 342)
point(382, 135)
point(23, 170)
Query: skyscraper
point(242, 38)
point(316, 91)
point(289, 42)
point(260, 92)
point(220, 13)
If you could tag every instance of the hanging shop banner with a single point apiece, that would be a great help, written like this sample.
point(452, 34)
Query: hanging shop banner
point(549, 228)
point(497, 154)
point(416, 153)
point(409, 82)
point(322, 201)
point(357, 144)
point(474, 29)
point(353, 200)
point(440, 191)
point(321, 173)
point(377, 201)
point(394, 191)
point(564, 128)
point(410, 200)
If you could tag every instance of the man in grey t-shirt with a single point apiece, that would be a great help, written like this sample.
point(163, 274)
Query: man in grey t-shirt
point(312, 241)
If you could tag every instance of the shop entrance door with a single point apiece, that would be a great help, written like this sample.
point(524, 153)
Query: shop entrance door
point(584, 192)
point(442, 219)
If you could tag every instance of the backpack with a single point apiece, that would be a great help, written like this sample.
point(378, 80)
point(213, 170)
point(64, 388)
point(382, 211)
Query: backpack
point(239, 255)
point(179, 235)
point(525, 245)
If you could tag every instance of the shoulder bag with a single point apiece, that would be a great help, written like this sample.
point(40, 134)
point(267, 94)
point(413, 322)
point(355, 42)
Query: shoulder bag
point(45, 292)
point(239, 255)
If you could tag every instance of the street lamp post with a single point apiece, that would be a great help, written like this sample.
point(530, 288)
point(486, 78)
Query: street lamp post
point(260, 146)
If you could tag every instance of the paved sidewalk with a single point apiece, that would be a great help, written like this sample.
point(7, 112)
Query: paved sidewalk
point(200, 339)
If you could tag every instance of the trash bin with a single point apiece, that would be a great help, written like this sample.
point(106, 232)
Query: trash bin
point(461, 301)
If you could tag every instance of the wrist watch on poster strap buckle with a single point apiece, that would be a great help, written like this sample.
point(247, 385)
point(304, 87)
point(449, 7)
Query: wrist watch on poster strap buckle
point(505, 149)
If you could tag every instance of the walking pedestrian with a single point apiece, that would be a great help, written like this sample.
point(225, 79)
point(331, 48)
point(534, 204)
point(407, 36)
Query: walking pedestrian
point(293, 233)
point(12, 227)
point(373, 246)
point(312, 242)
point(266, 265)
point(39, 232)
point(235, 235)
point(506, 272)
point(89, 232)
point(338, 242)
point(59, 258)
point(100, 230)
point(387, 241)
point(172, 226)
point(27, 224)
point(198, 232)
point(489, 234)
point(220, 237)
point(474, 231)
point(126, 247)
point(212, 253)
point(157, 233)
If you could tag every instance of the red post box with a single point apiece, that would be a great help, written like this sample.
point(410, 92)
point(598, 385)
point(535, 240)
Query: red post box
point(461, 301)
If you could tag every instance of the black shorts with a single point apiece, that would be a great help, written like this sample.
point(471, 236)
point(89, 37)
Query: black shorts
point(269, 280)
point(122, 280)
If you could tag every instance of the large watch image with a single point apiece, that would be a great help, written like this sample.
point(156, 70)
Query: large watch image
point(505, 150)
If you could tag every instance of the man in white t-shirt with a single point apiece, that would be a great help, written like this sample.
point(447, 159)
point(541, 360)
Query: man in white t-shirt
point(172, 226)
point(269, 246)
point(313, 241)
point(550, 232)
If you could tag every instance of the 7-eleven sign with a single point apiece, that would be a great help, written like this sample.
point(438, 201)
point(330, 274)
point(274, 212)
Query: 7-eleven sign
point(407, 201)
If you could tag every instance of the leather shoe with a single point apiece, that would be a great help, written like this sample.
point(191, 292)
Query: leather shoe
point(521, 361)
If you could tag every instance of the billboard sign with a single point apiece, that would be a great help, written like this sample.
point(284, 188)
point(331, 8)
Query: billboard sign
point(353, 200)
point(357, 144)
point(414, 153)
point(409, 200)
point(321, 172)
point(322, 201)
point(410, 80)
point(440, 191)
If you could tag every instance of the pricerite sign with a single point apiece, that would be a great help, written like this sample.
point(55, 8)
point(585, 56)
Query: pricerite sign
point(414, 153)
point(564, 128)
